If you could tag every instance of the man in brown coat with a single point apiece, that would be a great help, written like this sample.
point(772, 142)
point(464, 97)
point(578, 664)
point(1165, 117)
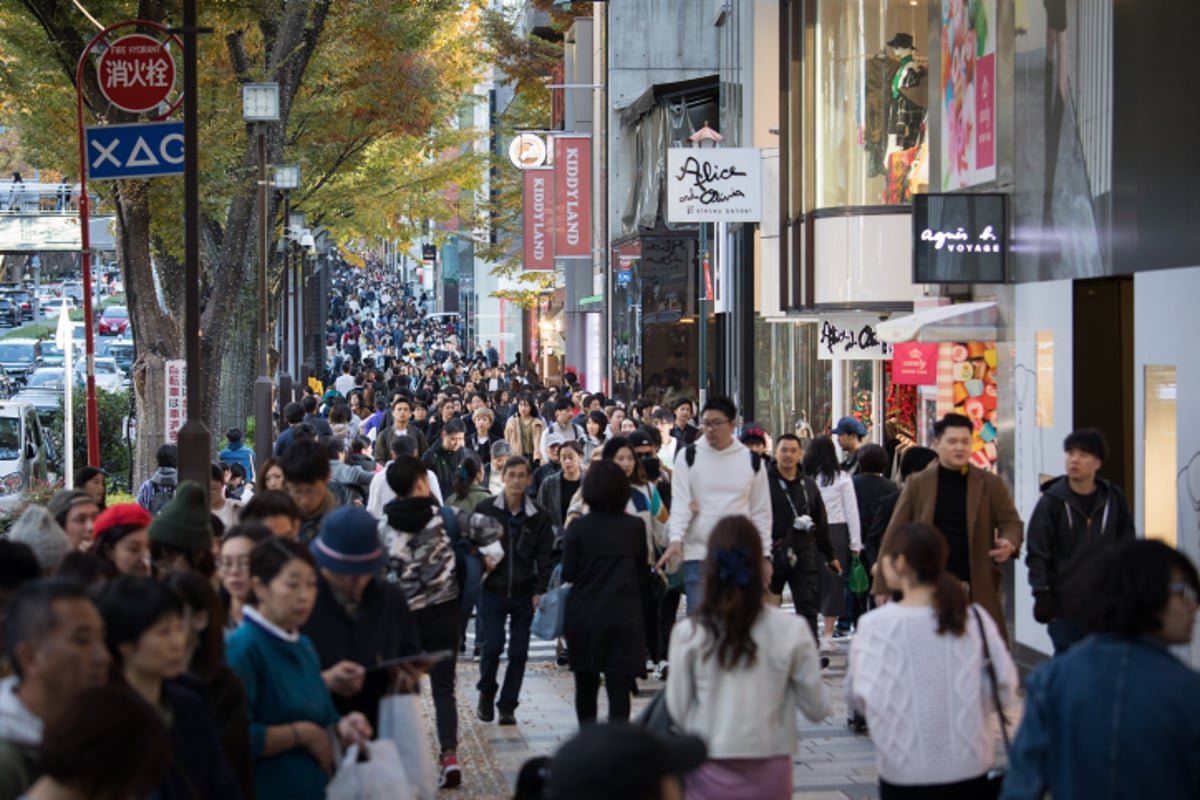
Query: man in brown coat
point(971, 507)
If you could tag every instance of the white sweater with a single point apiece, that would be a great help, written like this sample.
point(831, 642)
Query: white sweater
point(722, 483)
point(841, 506)
point(927, 697)
point(749, 712)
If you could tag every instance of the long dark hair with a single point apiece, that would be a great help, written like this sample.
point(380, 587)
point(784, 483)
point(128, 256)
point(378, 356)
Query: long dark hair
point(733, 591)
point(209, 659)
point(616, 445)
point(925, 552)
point(820, 461)
point(465, 476)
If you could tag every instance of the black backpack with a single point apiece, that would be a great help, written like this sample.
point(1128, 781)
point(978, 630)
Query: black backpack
point(689, 455)
point(162, 493)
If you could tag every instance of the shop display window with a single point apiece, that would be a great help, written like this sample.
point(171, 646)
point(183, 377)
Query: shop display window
point(793, 388)
point(1045, 379)
point(1161, 448)
point(871, 75)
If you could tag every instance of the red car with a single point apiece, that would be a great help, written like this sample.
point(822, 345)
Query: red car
point(114, 321)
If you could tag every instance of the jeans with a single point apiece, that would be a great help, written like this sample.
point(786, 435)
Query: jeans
point(692, 589)
point(587, 688)
point(470, 598)
point(495, 609)
point(438, 629)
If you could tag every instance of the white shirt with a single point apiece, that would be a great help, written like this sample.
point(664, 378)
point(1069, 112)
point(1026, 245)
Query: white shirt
point(927, 696)
point(748, 712)
point(722, 482)
point(344, 384)
point(841, 506)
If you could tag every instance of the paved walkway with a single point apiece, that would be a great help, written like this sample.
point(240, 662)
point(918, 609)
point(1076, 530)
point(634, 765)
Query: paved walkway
point(832, 763)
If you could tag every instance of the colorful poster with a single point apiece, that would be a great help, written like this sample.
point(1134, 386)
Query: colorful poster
point(973, 387)
point(968, 135)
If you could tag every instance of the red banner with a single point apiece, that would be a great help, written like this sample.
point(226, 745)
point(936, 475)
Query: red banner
point(914, 364)
point(539, 219)
point(573, 196)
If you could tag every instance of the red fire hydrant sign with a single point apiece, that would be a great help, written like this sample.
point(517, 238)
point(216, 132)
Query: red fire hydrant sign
point(137, 73)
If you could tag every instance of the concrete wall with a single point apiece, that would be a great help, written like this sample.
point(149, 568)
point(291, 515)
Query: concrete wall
point(649, 42)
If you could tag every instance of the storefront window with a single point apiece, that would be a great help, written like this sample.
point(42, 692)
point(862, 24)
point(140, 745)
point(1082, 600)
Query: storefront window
point(872, 80)
point(793, 387)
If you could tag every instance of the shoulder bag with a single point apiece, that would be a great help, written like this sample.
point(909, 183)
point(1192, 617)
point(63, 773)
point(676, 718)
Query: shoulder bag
point(995, 776)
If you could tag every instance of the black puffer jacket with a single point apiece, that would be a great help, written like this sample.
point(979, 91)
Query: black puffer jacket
point(1060, 534)
point(525, 568)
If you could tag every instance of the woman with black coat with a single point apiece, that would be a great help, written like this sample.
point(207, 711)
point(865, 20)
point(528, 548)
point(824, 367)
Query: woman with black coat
point(604, 554)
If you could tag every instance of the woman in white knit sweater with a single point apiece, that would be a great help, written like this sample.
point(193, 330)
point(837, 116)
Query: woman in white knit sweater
point(845, 528)
point(739, 672)
point(916, 671)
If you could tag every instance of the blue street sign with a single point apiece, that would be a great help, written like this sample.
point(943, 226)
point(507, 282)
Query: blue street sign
point(139, 150)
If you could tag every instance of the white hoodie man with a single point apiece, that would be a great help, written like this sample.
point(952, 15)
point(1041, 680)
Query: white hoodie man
point(715, 477)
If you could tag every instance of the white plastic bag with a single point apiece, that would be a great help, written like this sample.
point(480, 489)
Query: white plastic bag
point(402, 722)
point(380, 777)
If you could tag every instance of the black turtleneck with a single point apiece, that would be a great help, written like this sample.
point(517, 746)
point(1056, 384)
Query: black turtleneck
point(950, 517)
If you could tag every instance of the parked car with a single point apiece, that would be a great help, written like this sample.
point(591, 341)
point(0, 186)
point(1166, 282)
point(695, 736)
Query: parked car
point(122, 351)
point(114, 321)
point(20, 357)
point(25, 452)
point(44, 390)
point(10, 312)
point(108, 375)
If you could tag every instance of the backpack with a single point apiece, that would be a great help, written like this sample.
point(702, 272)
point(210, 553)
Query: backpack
point(161, 494)
point(689, 455)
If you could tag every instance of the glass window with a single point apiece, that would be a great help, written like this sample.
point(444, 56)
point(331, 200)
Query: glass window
point(1161, 448)
point(871, 77)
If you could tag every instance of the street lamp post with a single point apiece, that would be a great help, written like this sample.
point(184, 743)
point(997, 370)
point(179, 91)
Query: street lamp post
point(287, 178)
point(699, 139)
point(260, 105)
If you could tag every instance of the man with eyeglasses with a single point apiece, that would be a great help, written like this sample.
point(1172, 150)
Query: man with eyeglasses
point(1077, 513)
point(715, 477)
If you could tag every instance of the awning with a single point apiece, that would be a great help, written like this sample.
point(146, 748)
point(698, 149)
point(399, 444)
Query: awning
point(963, 322)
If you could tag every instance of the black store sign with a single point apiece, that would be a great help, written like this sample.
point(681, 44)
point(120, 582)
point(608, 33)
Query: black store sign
point(960, 238)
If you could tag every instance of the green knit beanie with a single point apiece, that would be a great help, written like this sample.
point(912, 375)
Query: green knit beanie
point(185, 522)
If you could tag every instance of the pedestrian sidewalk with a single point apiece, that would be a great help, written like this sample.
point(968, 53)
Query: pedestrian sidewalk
point(832, 763)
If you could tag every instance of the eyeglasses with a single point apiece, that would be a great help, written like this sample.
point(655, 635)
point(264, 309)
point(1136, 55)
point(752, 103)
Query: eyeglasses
point(1184, 590)
point(713, 423)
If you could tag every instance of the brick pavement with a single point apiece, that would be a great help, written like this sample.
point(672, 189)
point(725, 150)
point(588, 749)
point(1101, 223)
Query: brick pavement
point(832, 763)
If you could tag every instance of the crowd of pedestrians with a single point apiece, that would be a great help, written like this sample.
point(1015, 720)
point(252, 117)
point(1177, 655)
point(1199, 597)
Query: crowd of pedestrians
point(229, 640)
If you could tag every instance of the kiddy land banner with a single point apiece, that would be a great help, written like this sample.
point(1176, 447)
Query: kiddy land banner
point(572, 196)
point(539, 219)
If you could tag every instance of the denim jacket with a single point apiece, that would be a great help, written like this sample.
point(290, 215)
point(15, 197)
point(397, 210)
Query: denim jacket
point(1112, 718)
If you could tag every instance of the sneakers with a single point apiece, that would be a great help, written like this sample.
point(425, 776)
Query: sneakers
point(660, 670)
point(507, 717)
point(841, 635)
point(486, 711)
point(451, 774)
point(830, 645)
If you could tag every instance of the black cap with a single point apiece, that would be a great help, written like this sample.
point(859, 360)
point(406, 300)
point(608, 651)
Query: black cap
point(620, 760)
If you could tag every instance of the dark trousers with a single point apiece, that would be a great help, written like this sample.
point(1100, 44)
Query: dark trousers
point(973, 789)
point(496, 608)
point(438, 627)
point(658, 619)
point(587, 689)
point(803, 581)
point(470, 598)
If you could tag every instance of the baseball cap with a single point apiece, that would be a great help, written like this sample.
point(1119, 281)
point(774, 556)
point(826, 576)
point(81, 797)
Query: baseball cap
point(620, 760)
point(850, 425)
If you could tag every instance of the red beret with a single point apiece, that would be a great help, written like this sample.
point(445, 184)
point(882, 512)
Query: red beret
point(122, 514)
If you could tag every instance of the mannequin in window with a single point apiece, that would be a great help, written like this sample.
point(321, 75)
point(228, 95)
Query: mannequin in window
point(905, 112)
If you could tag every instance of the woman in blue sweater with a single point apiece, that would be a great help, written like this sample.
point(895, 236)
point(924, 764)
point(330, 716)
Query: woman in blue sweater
point(292, 715)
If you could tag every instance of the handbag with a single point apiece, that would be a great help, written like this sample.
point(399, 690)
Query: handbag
point(655, 717)
point(402, 723)
point(859, 581)
point(378, 776)
point(995, 776)
point(551, 612)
